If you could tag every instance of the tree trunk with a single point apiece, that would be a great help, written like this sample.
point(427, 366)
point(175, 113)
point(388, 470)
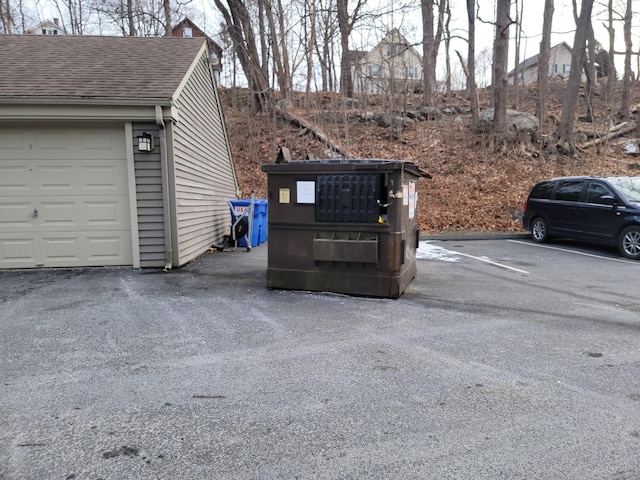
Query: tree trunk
point(565, 138)
point(240, 30)
point(543, 65)
point(430, 46)
point(166, 6)
point(447, 44)
point(132, 24)
point(346, 80)
point(588, 65)
point(625, 102)
point(279, 48)
point(472, 88)
point(518, 42)
point(6, 17)
point(501, 50)
point(611, 76)
point(323, 46)
point(310, 41)
point(590, 72)
point(264, 34)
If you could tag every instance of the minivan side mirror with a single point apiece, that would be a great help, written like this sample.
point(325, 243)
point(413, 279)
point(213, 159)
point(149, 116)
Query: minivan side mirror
point(608, 200)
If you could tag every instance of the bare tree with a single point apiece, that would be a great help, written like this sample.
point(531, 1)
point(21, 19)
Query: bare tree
point(518, 41)
point(135, 17)
point(627, 78)
point(565, 137)
point(472, 88)
point(431, 44)
point(279, 48)
point(588, 65)
point(499, 86)
point(6, 17)
point(447, 43)
point(590, 71)
point(131, 19)
point(166, 6)
point(543, 64)
point(309, 20)
point(240, 27)
point(346, 23)
point(612, 37)
point(326, 32)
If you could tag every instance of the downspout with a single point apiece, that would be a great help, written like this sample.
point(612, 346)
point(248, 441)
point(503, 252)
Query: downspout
point(166, 203)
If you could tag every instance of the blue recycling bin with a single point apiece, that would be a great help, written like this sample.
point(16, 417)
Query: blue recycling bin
point(240, 208)
point(261, 216)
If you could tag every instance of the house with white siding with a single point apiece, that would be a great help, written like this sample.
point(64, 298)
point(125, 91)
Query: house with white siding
point(47, 28)
point(559, 65)
point(392, 66)
point(113, 151)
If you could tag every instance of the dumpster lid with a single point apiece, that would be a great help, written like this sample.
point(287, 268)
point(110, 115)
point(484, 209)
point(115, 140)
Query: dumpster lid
point(342, 164)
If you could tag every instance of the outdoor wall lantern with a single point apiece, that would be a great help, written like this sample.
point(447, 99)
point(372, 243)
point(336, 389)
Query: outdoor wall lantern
point(145, 142)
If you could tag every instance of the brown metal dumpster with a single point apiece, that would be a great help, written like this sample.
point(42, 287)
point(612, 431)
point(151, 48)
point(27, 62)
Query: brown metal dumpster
point(345, 226)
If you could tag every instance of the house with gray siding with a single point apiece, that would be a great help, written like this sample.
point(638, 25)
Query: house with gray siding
point(113, 151)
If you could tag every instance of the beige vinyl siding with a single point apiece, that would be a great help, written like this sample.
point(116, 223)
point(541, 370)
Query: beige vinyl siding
point(203, 170)
point(149, 200)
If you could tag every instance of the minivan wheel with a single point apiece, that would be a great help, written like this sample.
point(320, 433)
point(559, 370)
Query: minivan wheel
point(629, 242)
point(539, 230)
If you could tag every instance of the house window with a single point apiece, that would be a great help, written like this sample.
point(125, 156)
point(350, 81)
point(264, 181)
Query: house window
point(395, 49)
point(553, 69)
point(55, 32)
point(188, 32)
point(374, 70)
point(566, 68)
point(412, 73)
point(44, 32)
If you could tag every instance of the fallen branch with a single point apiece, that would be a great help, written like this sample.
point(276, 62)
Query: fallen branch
point(596, 134)
point(613, 133)
point(316, 132)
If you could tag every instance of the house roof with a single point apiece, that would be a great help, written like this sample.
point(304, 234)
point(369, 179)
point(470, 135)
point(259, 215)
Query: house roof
point(86, 67)
point(48, 24)
point(392, 37)
point(187, 22)
point(532, 61)
point(356, 55)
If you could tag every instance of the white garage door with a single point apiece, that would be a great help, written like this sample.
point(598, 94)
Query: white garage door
point(64, 199)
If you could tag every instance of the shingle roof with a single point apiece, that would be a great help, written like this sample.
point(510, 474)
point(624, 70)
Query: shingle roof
point(94, 67)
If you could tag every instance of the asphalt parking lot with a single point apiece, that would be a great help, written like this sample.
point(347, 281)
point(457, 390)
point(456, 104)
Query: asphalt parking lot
point(503, 359)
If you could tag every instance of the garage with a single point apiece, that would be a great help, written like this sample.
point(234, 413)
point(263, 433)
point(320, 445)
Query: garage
point(104, 163)
point(64, 197)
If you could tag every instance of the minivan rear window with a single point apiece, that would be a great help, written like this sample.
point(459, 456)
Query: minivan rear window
point(569, 190)
point(542, 190)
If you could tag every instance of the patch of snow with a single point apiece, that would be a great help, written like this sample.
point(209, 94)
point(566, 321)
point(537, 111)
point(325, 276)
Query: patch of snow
point(427, 250)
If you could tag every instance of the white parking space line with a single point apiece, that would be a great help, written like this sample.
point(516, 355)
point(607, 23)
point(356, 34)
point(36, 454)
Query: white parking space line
point(430, 251)
point(572, 251)
point(490, 262)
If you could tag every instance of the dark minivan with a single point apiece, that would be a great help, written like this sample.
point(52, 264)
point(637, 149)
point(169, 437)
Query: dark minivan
point(598, 210)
